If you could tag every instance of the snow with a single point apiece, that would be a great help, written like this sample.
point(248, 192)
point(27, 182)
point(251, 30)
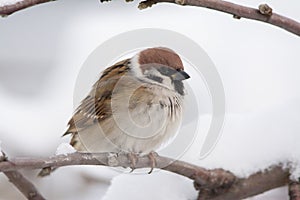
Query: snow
point(77, 182)
point(278, 193)
point(64, 149)
point(8, 2)
point(294, 167)
point(158, 185)
point(254, 142)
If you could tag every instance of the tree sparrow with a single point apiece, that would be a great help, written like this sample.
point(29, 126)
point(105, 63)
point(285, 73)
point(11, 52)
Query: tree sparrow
point(134, 107)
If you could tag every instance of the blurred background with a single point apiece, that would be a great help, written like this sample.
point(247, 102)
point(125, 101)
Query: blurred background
point(43, 48)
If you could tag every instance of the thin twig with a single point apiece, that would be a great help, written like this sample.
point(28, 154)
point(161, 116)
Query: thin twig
point(11, 8)
point(24, 185)
point(264, 13)
point(20, 182)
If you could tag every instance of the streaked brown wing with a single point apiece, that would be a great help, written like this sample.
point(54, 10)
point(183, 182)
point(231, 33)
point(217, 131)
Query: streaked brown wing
point(96, 106)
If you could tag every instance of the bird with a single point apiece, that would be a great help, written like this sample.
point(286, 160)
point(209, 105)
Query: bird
point(136, 106)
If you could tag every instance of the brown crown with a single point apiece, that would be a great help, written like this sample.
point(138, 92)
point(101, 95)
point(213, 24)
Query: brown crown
point(160, 55)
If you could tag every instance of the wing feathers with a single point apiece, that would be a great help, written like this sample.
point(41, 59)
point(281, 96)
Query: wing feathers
point(96, 106)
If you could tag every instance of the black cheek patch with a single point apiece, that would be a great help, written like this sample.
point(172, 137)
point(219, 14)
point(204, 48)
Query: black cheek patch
point(155, 78)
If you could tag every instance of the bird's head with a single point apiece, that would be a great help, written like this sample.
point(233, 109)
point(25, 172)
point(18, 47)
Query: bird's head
point(160, 66)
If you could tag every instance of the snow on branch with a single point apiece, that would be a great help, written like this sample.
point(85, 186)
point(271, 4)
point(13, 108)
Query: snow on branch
point(212, 184)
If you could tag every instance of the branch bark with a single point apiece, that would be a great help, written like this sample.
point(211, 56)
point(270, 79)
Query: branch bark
point(213, 184)
point(251, 186)
point(294, 190)
point(24, 185)
point(20, 182)
point(10, 9)
point(208, 178)
point(263, 13)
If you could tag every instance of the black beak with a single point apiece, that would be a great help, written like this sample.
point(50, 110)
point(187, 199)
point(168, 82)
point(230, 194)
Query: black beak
point(180, 75)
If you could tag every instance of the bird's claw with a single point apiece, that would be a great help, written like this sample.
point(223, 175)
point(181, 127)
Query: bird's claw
point(152, 156)
point(133, 159)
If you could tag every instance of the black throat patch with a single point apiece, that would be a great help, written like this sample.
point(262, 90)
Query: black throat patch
point(178, 85)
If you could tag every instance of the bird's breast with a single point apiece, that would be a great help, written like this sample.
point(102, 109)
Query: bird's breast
point(148, 119)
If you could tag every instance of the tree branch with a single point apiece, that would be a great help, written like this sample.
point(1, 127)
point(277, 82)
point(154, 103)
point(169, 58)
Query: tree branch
point(213, 184)
point(251, 186)
point(209, 178)
point(9, 9)
point(24, 185)
point(263, 14)
point(20, 182)
point(294, 190)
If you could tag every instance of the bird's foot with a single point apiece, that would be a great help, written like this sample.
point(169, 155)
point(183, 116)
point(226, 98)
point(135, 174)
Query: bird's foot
point(152, 156)
point(133, 157)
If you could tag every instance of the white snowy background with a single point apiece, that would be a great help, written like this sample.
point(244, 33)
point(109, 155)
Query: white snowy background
point(41, 52)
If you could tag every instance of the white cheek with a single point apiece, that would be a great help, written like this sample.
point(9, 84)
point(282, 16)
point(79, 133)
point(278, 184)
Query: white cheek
point(167, 82)
point(135, 66)
point(147, 72)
